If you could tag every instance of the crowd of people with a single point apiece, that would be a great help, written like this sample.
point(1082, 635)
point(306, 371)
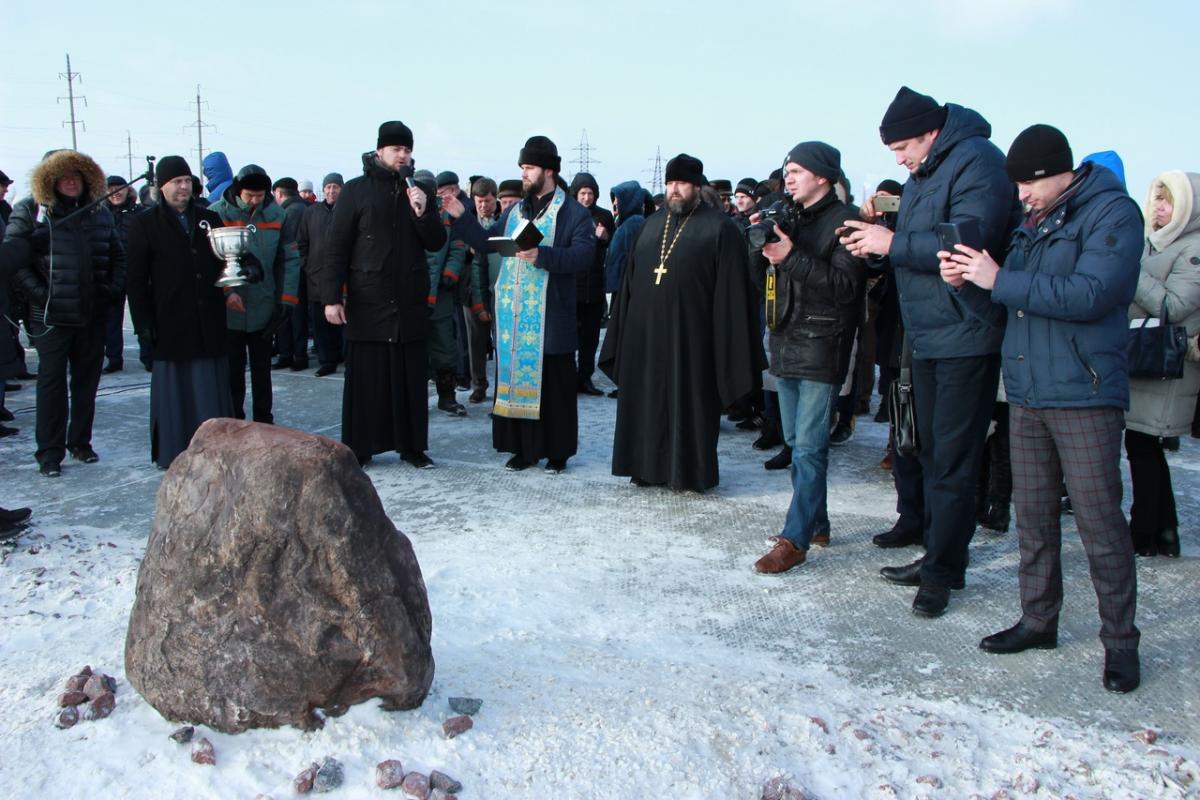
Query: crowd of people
point(778, 303)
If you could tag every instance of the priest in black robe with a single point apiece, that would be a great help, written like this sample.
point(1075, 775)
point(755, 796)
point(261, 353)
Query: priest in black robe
point(683, 340)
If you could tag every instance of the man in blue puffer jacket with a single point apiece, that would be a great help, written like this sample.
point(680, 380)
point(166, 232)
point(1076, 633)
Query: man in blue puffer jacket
point(955, 175)
point(1067, 282)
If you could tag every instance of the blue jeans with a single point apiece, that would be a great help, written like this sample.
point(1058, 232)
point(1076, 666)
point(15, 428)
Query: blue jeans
point(805, 407)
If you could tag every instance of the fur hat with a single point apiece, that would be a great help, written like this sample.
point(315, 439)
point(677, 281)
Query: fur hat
point(59, 163)
point(394, 133)
point(685, 168)
point(540, 152)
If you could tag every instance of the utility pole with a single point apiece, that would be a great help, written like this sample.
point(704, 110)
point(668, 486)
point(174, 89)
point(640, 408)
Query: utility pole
point(584, 161)
point(129, 152)
point(71, 78)
point(199, 125)
point(656, 180)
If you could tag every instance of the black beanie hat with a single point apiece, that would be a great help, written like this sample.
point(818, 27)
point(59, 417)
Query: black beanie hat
point(287, 184)
point(510, 188)
point(722, 185)
point(685, 168)
point(1038, 152)
point(169, 168)
point(746, 186)
point(446, 178)
point(333, 177)
point(584, 180)
point(540, 152)
point(394, 133)
point(910, 115)
point(890, 186)
point(116, 180)
point(822, 160)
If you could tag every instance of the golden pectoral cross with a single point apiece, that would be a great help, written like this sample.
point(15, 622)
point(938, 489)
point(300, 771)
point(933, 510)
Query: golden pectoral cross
point(658, 273)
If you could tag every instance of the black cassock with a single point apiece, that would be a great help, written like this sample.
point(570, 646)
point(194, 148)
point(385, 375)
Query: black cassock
point(682, 350)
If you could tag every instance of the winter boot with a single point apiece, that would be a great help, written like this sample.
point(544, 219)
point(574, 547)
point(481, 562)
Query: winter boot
point(447, 402)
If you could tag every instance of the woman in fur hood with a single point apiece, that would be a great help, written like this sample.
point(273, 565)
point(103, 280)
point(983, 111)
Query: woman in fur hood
point(1170, 275)
point(76, 268)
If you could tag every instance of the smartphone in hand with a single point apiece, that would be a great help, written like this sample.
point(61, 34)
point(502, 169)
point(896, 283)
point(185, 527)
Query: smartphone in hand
point(964, 232)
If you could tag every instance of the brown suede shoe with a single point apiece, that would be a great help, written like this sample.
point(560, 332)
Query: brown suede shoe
point(783, 556)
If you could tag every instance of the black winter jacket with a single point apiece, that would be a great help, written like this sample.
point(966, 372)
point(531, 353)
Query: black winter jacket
point(822, 286)
point(173, 297)
point(376, 248)
point(77, 267)
point(314, 225)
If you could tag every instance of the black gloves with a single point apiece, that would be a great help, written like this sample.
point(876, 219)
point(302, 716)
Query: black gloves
point(252, 267)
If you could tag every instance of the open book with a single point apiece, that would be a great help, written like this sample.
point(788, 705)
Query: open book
point(526, 237)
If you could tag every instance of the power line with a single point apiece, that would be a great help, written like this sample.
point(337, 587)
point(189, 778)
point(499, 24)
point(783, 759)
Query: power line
point(71, 78)
point(199, 125)
point(656, 172)
point(585, 160)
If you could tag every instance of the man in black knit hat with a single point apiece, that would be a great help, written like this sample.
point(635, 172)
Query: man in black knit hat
point(535, 415)
point(1067, 282)
point(683, 340)
point(956, 175)
point(375, 248)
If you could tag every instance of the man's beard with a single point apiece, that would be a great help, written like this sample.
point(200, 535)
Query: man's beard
point(684, 205)
point(534, 191)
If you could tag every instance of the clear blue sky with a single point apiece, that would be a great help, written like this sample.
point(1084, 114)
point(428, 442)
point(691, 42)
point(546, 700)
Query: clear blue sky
point(301, 87)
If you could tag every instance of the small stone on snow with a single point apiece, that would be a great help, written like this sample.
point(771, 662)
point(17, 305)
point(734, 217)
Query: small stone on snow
point(457, 725)
point(184, 734)
point(203, 753)
point(389, 774)
point(329, 775)
point(415, 786)
point(440, 780)
point(466, 705)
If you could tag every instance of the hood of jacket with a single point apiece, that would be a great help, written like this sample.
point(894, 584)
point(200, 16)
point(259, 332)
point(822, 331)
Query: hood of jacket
point(1109, 159)
point(961, 123)
point(59, 163)
point(216, 170)
point(630, 199)
point(584, 180)
point(1185, 216)
point(373, 169)
point(233, 193)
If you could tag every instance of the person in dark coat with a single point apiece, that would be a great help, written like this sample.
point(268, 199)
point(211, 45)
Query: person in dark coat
point(291, 340)
point(589, 284)
point(818, 292)
point(956, 175)
point(177, 306)
point(376, 250)
point(1071, 271)
point(13, 254)
point(76, 241)
point(313, 226)
point(123, 205)
point(683, 340)
point(535, 414)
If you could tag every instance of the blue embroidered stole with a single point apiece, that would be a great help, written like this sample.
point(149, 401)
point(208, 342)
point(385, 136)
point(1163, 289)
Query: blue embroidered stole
point(521, 322)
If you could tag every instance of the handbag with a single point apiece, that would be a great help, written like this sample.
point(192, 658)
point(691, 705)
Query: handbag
point(1157, 352)
point(902, 411)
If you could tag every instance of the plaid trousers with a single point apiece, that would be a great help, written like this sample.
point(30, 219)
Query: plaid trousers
point(1082, 446)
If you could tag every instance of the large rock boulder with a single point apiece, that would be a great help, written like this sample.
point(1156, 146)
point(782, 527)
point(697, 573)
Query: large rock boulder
point(273, 584)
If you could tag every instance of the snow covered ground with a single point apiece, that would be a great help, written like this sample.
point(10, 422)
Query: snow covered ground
point(619, 640)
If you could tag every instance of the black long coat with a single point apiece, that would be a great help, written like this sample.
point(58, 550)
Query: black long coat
point(171, 275)
point(376, 249)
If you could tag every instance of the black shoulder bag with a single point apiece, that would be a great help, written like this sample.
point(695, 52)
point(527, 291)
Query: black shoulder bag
point(1157, 352)
point(903, 413)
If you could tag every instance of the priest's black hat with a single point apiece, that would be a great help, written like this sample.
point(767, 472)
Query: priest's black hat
point(746, 186)
point(539, 151)
point(822, 160)
point(1038, 152)
point(394, 133)
point(169, 168)
point(910, 115)
point(685, 168)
